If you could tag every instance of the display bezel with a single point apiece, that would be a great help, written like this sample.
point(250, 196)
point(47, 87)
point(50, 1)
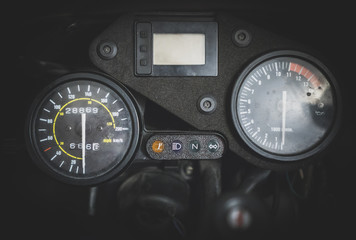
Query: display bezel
point(209, 29)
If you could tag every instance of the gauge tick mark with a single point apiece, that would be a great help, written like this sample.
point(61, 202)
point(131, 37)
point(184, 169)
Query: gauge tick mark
point(48, 149)
point(61, 163)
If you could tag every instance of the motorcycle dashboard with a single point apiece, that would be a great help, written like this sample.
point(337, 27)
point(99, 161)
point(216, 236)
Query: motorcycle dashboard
point(234, 106)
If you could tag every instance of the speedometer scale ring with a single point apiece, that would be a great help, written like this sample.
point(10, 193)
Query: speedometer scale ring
point(284, 106)
point(83, 129)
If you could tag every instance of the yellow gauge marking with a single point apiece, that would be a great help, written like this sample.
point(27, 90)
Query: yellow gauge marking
point(61, 114)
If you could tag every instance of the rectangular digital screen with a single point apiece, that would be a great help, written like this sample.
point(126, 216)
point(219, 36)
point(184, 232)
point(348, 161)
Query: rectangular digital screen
point(178, 49)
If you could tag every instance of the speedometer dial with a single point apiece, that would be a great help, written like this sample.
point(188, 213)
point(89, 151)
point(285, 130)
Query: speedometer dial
point(284, 106)
point(83, 129)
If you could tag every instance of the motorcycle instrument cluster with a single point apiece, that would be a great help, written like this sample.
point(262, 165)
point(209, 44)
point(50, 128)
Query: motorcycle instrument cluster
point(272, 108)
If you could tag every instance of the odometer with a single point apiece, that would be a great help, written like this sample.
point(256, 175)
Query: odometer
point(83, 129)
point(284, 106)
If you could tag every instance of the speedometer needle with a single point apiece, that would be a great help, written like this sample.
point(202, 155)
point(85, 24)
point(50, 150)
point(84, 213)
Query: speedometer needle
point(83, 141)
point(284, 109)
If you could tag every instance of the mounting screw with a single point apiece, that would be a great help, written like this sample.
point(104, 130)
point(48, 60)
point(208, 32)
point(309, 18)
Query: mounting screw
point(241, 38)
point(207, 104)
point(107, 50)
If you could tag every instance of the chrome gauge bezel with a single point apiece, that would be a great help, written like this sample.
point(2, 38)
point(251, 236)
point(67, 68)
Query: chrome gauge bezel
point(120, 166)
point(330, 135)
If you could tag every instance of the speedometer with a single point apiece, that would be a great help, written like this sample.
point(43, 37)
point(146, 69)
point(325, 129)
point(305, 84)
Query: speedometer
point(83, 129)
point(285, 106)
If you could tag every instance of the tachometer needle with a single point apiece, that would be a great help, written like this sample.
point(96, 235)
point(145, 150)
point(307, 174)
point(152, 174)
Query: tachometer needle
point(284, 109)
point(83, 141)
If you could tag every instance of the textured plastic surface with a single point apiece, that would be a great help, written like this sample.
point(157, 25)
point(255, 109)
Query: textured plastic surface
point(179, 95)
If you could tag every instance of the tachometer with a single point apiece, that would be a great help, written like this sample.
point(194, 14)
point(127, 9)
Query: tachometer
point(285, 106)
point(83, 129)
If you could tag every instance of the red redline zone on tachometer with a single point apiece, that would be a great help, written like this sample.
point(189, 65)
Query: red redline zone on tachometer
point(306, 73)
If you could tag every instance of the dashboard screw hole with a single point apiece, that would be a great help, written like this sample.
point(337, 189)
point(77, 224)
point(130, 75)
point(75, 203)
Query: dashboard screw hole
point(241, 38)
point(107, 50)
point(207, 104)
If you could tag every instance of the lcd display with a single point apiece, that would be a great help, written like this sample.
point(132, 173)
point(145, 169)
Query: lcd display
point(178, 49)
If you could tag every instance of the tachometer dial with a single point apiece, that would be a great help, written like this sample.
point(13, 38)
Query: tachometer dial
point(83, 129)
point(284, 106)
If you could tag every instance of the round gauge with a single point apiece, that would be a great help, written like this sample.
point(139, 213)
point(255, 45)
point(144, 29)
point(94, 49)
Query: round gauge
point(83, 129)
point(284, 106)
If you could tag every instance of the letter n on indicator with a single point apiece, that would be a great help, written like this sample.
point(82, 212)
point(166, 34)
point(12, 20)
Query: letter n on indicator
point(194, 146)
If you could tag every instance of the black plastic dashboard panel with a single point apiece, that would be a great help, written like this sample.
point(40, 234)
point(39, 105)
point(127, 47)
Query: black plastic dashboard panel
point(180, 95)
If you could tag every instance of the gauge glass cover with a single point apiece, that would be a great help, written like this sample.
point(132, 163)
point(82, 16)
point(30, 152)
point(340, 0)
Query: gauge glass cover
point(84, 130)
point(284, 107)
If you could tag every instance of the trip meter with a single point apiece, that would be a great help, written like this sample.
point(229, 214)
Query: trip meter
point(285, 106)
point(83, 129)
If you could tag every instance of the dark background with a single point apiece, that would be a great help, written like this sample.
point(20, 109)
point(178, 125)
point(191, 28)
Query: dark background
point(326, 26)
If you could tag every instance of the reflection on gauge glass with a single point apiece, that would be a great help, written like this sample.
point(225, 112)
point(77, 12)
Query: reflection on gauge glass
point(284, 106)
point(84, 129)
